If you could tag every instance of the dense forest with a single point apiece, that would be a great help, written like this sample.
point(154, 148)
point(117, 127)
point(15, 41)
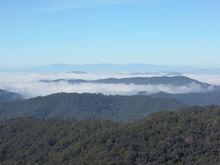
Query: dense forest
point(88, 106)
point(186, 137)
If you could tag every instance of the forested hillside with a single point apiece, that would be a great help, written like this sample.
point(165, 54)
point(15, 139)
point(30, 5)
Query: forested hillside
point(193, 99)
point(88, 106)
point(186, 137)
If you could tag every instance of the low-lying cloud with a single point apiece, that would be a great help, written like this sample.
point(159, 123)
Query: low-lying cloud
point(213, 79)
point(29, 85)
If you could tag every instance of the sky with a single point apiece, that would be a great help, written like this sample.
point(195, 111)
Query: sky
point(166, 32)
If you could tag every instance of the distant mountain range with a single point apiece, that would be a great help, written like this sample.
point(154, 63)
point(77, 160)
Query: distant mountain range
point(129, 68)
point(77, 72)
point(98, 106)
point(6, 96)
point(88, 106)
point(164, 80)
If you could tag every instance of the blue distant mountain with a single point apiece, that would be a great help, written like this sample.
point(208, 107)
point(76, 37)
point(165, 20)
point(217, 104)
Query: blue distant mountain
point(165, 80)
point(128, 68)
point(6, 96)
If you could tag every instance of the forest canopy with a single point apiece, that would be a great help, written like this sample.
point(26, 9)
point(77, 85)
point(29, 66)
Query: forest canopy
point(186, 137)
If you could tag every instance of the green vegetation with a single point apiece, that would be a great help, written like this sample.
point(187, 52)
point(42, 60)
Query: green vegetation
point(186, 137)
point(88, 106)
point(194, 99)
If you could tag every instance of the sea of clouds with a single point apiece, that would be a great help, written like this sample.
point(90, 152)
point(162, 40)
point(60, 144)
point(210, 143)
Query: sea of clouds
point(29, 85)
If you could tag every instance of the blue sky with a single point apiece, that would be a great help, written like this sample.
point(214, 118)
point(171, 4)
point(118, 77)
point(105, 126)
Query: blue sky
point(169, 32)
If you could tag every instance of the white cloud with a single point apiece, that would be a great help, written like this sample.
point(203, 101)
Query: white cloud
point(213, 79)
point(28, 84)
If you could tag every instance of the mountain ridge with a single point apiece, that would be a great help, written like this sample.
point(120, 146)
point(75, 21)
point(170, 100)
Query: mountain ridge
point(165, 80)
point(88, 106)
point(193, 99)
point(129, 68)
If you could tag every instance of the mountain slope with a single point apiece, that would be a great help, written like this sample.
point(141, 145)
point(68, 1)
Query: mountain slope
point(185, 137)
point(88, 106)
point(6, 96)
point(194, 99)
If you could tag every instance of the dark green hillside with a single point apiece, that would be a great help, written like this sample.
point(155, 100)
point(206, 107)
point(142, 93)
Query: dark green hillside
point(189, 137)
point(193, 99)
point(88, 106)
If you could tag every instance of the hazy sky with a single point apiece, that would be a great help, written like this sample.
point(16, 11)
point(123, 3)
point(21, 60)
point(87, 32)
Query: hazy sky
point(171, 32)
